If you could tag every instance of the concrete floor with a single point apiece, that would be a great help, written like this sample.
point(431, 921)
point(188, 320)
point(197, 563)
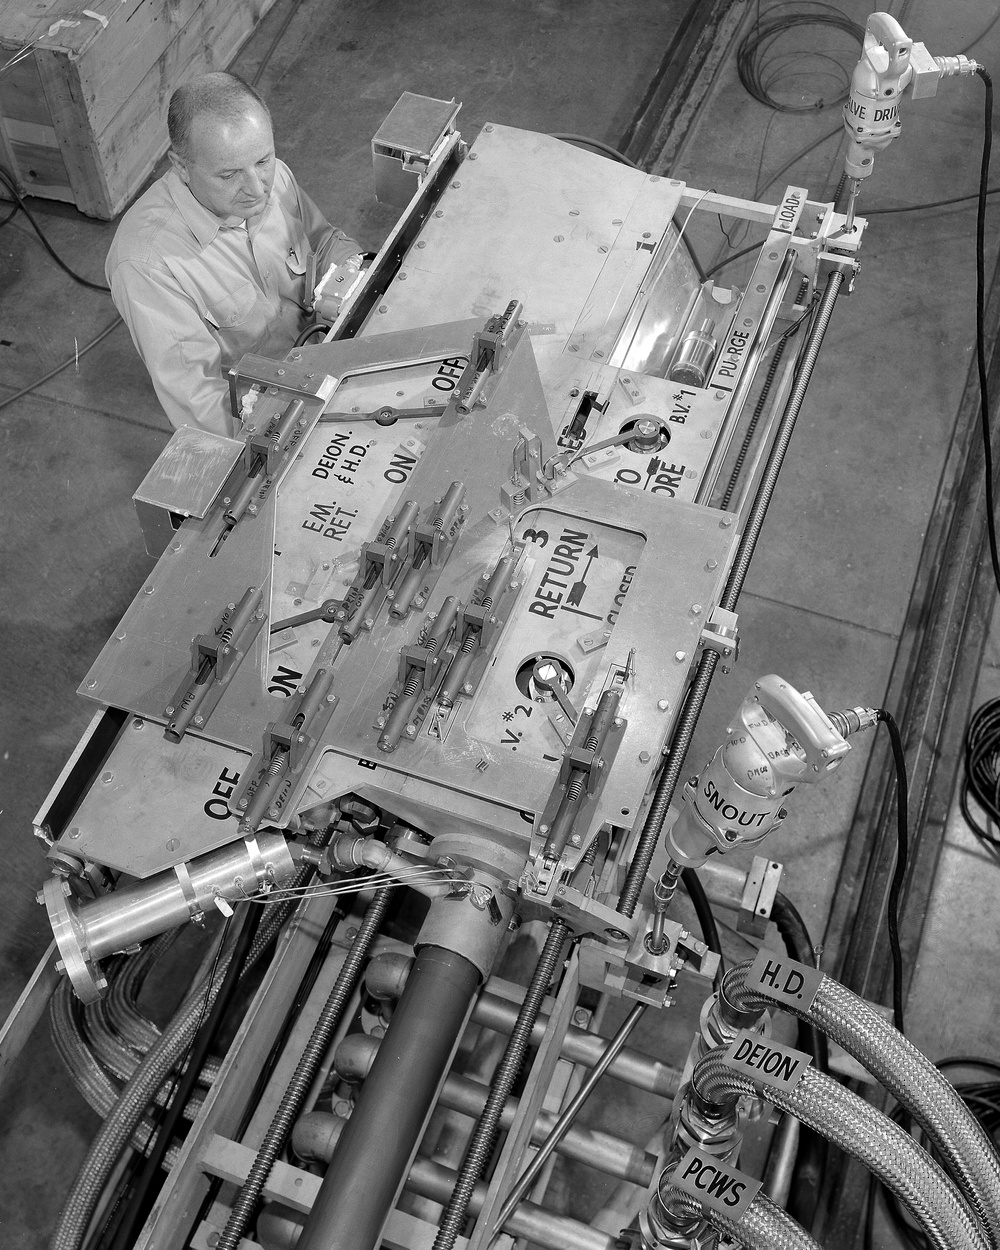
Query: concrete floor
point(828, 590)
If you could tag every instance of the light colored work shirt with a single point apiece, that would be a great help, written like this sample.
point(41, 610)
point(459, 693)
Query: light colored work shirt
point(197, 295)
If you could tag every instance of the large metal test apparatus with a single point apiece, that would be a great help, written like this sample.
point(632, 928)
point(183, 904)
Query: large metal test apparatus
point(447, 611)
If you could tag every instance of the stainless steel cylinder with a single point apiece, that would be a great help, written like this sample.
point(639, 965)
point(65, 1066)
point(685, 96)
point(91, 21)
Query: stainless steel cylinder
point(379, 1141)
point(694, 356)
point(86, 932)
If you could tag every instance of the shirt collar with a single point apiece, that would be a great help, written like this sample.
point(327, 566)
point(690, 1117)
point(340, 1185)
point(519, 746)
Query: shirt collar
point(202, 224)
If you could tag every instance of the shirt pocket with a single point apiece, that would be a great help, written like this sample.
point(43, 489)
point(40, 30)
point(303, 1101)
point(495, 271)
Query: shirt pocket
point(235, 309)
point(295, 261)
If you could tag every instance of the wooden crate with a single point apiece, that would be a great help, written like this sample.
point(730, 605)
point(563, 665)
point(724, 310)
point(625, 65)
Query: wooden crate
point(83, 114)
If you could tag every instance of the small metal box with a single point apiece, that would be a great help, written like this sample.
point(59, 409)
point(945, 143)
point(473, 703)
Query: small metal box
point(406, 142)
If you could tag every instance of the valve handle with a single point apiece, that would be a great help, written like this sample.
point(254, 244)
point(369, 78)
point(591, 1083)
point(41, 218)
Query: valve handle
point(802, 717)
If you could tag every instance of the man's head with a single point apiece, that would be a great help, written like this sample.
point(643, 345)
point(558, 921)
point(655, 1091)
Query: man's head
point(222, 146)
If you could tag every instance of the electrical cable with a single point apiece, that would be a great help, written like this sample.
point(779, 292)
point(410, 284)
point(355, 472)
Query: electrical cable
point(605, 149)
point(751, 56)
point(981, 779)
point(811, 1159)
point(899, 875)
point(981, 318)
point(8, 180)
point(703, 910)
point(26, 390)
point(314, 327)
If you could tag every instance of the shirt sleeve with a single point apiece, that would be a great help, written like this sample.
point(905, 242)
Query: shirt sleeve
point(183, 358)
point(329, 245)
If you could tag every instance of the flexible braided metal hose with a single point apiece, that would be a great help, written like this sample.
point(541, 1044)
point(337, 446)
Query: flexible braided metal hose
point(127, 1113)
point(485, 1133)
point(909, 1076)
point(762, 1226)
point(305, 1072)
point(882, 1146)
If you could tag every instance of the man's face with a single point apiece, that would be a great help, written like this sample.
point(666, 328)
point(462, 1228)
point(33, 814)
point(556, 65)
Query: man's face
point(229, 165)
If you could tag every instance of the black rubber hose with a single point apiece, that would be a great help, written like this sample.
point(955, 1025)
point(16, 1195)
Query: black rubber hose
point(305, 1072)
point(703, 910)
point(485, 1133)
point(814, 1149)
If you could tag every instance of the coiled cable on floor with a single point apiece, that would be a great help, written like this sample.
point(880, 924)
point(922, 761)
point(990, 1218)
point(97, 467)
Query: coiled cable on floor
point(981, 780)
point(754, 67)
point(485, 1133)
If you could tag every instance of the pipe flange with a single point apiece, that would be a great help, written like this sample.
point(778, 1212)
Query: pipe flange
point(84, 973)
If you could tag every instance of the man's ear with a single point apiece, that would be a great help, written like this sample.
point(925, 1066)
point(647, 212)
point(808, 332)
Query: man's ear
point(178, 163)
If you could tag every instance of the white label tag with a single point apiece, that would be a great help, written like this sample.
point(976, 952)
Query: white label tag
point(784, 980)
point(715, 1184)
point(762, 1060)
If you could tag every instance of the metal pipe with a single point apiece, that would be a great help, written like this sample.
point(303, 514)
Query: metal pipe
point(535, 1224)
point(603, 1151)
point(579, 1046)
point(781, 1160)
point(357, 1195)
point(568, 1115)
point(305, 1072)
point(86, 932)
point(698, 689)
point(485, 1133)
point(635, 1069)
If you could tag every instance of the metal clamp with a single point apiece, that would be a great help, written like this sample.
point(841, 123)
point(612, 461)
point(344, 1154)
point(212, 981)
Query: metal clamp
point(721, 634)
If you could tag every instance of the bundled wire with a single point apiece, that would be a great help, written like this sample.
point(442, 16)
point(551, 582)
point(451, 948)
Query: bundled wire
point(761, 65)
point(416, 876)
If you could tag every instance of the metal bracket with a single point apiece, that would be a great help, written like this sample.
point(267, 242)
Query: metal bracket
point(288, 746)
point(214, 659)
point(279, 375)
point(721, 634)
point(758, 896)
point(491, 349)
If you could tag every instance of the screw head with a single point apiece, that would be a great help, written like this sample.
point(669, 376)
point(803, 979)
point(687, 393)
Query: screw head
point(74, 832)
point(663, 705)
point(543, 828)
point(107, 777)
point(680, 656)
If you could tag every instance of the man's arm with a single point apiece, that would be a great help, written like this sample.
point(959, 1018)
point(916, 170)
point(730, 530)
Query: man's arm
point(183, 358)
point(329, 245)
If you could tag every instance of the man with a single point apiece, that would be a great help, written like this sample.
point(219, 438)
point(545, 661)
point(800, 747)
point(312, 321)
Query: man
point(210, 262)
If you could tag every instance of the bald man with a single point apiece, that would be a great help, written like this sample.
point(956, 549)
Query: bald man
point(210, 262)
